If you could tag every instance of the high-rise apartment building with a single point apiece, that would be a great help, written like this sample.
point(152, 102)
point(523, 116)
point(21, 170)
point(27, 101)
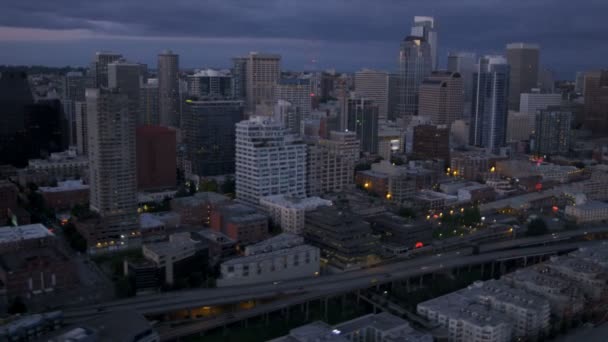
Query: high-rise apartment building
point(82, 137)
point(374, 85)
point(490, 107)
point(425, 27)
point(262, 72)
point(209, 135)
point(330, 163)
point(268, 161)
point(74, 85)
point(168, 89)
point(523, 60)
point(156, 158)
point(239, 77)
point(210, 84)
point(296, 91)
point(414, 66)
point(112, 162)
point(530, 103)
point(432, 142)
point(362, 118)
point(552, 132)
point(288, 115)
point(99, 67)
point(441, 97)
point(148, 103)
point(596, 102)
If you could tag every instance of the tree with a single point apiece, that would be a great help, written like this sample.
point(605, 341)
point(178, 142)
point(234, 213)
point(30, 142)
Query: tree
point(195, 279)
point(397, 161)
point(407, 213)
point(209, 186)
point(17, 306)
point(537, 227)
point(471, 216)
point(228, 186)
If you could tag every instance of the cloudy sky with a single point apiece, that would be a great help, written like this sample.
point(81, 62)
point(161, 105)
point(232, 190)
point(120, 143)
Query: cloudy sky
point(310, 34)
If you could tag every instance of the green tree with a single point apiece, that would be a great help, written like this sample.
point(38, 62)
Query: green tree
point(209, 186)
point(537, 227)
point(363, 167)
point(228, 186)
point(471, 216)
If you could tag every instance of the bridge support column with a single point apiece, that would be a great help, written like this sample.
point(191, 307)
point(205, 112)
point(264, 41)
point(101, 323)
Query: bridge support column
point(266, 318)
point(307, 310)
point(503, 268)
point(343, 301)
point(407, 285)
point(482, 269)
point(287, 314)
point(358, 297)
point(325, 310)
point(492, 270)
point(421, 280)
point(525, 261)
point(457, 271)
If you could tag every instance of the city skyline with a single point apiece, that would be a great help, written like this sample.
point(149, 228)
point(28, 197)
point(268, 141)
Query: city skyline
point(303, 33)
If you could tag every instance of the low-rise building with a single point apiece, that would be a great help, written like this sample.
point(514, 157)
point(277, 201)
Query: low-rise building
point(197, 209)
point(592, 211)
point(278, 264)
point(151, 228)
point(28, 273)
point(289, 212)
point(590, 277)
point(346, 241)
point(396, 230)
point(220, 245)
point(25, 237)
point(477, 193)
point(61, 166)
point(433, 200)
point(382, 327)
point(167, 254)
point(65, 195)
point(8, 199)
point(241, 223)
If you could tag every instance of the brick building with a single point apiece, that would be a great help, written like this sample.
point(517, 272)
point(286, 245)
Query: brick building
point(65, 195)
point(241, 223)
point(156, 157)
point(197, 209)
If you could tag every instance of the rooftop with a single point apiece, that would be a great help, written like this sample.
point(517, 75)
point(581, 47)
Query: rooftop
point(215, 236)
point(306, 203)
point(26, 232)
point(147, 221)
point(69, 185)
point(281, 241)
point(270, 255)
point(592, 205)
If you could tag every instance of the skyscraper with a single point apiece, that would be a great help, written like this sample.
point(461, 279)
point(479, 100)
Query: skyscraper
point(148, 103)
point(268, 161)
point(209, 136)
point(523, 59)
point(128, 78)
point(262, 71)
point(15, 97)
point(239, 76)
point(552, 131)
point(530, 103)
point(363, 120)
point(414, 66)
point(74, 85)
point(374, 85)
point(210, 84)
point(490, 103)
point(156, 158)
point(432, 142)
point(82, 136)
point(288, 115)
point(464, 64)
point(112, 163)
point(441, 97)
point(99, 67)
point(168, 89)
point(425, 27)
point(296, 91)
point(596, 102)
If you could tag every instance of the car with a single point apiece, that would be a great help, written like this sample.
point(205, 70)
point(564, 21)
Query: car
point(276, 282)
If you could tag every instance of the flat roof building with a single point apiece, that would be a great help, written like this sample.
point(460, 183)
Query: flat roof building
point(289, 212)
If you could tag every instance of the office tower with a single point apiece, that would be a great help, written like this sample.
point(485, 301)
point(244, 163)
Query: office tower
point(45, 128)
point(82, 137)
point(296, 91)
point(465, 64)
point(156, 158)
point(112, 163)
point(414, 67)
point(168, 89)
point(374, 85)
point(258, 73)
point(15, 97)
point(210, 84)
point(362, 116)
point(209, 136)
point(330, 163)
point(239, 76)
point(579, 83)
point(531, 102)
point(268, 161)
point(99, 68)
point(425, 27)
point(523, 59)
point(490, 103)
point(520, 126)
point(546, 80)
point(288, 115)
point(148, 103)
point(552, 132)
point(74, 85)
point(441, 97)
point(128, 78)
point(432, 142)
point(394, 86)
point(596, 102)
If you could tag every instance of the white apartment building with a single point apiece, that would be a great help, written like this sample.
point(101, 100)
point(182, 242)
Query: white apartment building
point(268, 161)
point(373, 85)
point(592, 211)
point(289, 263)
point(61, 165)
point(289, 212)
point(589, 276)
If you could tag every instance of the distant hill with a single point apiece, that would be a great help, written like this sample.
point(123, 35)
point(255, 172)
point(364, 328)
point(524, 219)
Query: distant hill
point(39, 69)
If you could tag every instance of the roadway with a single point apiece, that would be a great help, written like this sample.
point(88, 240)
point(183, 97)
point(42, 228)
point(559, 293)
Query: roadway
point(317, 286)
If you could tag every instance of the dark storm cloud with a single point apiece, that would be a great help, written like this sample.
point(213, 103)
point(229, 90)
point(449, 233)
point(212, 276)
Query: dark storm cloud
point(478, 25)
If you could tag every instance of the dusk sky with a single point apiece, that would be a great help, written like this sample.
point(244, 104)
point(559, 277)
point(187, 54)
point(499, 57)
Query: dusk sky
point(342, 34)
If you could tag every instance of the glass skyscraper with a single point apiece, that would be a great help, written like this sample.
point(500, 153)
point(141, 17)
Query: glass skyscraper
point(414, 66)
